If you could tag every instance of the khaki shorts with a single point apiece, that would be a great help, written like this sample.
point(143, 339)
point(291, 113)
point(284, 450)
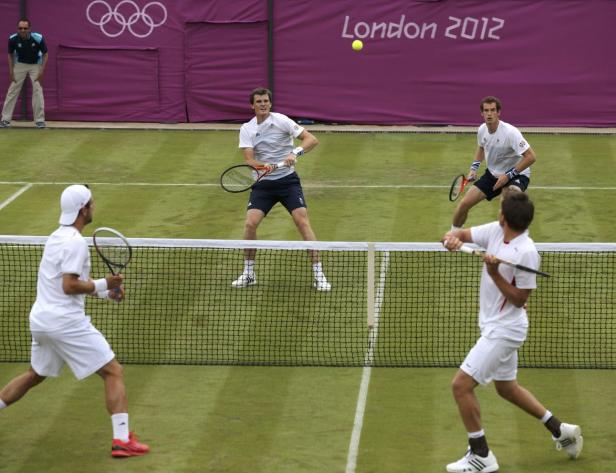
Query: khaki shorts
point(81, 346)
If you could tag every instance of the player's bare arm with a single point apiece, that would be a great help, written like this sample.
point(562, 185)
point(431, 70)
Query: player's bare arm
point(480, 157)
point(249, 158)
point(528, 158)
point(308, 142)
point(453, 239)
point(72, 285)
point(514, 295)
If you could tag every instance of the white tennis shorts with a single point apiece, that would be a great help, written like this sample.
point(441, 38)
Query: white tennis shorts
point(81, 346)
point(492, 359)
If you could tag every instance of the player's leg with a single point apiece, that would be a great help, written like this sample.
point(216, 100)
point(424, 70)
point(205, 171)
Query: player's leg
point(463, 389)
point(477, 368)
point(19, 74)
point(38, 100)
point(478, 456)
point(470, 199)
point(44, 361)
point(567, 436)
point(302, 222)
point(115, 391)
point(19, 386)
point(521, 397)
point(254, 217)
point(124, 443)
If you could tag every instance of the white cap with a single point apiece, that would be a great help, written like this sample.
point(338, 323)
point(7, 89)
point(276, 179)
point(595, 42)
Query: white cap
point(73, 199)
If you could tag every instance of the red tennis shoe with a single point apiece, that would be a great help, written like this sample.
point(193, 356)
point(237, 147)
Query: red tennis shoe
point(132, 448)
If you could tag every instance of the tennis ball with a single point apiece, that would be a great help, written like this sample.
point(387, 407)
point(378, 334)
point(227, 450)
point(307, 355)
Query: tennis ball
point(357, 45)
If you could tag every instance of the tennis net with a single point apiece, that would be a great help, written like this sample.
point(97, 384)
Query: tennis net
point(391, 304)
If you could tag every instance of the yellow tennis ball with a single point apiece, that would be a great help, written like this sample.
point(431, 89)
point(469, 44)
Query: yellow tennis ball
point(357, 45)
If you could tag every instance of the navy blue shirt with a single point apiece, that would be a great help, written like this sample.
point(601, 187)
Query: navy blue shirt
point(27, 51)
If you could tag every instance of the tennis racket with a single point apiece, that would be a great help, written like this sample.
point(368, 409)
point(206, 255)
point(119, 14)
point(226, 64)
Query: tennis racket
point(113, 248)
point(476, 252)
point(241, 177)
point(457, 186)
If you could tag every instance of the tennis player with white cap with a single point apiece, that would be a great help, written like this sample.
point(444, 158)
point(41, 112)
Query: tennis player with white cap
point(61, 331)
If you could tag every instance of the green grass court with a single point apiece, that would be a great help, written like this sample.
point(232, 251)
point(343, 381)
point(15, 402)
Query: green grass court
point(359, 187)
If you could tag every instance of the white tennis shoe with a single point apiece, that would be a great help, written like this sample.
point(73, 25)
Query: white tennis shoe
point(471, 463)
point(570, 439)
point(321, 284)
point(245, 280)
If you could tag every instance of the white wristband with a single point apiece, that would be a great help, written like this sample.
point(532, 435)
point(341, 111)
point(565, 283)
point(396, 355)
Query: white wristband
point(102, 294)
point(298, 151)
point(100, 285)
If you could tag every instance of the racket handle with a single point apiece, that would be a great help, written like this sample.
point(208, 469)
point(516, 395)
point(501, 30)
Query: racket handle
point(470, 251)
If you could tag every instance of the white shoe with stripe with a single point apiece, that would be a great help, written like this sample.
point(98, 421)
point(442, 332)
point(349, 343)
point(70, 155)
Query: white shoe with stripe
point(472, 463)
point(245, 280)
point(570, 440)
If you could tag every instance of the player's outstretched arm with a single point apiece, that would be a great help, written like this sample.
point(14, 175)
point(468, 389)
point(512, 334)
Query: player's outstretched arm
point(453, 239)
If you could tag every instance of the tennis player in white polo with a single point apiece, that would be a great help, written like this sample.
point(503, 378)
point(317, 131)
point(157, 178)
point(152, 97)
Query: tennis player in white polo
point(61, 331)
point(267, 139)
point(508, 158)
point(503, 322)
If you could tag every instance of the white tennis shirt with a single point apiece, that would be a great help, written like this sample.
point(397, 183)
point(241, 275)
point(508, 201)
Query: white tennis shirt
point(66, 252)
point(503, 148)
point(271, 141)
point(499, 318)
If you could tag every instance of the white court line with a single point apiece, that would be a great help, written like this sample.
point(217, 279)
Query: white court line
point(316, 185)
point(15, 195)
point(367, 371)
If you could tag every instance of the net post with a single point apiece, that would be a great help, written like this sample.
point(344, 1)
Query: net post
point(370, 285)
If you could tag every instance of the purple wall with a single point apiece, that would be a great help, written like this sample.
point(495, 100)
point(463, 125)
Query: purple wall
point(423, 62)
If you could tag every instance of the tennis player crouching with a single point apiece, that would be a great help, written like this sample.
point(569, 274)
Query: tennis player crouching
point(503, 322)
point(508, 158)
point(61, 331)
point(267, 139)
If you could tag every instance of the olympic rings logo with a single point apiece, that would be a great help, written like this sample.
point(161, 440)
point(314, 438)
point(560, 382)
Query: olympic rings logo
point(127, 21)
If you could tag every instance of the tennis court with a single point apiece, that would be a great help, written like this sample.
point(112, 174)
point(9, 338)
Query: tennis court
point(369, 186)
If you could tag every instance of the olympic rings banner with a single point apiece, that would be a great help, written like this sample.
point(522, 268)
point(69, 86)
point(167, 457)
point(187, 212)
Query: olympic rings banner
point(423, 62)
point(113, 22)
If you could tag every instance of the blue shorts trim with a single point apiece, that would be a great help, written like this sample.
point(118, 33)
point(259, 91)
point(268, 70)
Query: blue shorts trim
point(286, 190)
point(487, 181)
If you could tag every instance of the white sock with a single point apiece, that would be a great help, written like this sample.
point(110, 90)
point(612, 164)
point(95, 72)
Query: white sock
point(120, 426)
point(476, 435)
point(546, 416)
point(2, 404)
point(317, 269)
point(249, 266)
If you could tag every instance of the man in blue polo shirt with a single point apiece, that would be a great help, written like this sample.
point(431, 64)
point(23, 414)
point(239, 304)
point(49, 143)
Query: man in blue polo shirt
point(27, 57)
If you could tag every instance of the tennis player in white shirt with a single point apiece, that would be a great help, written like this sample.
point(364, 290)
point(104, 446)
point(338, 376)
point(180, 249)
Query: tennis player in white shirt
point(508, 158)
point(267, 139)
point(503, 322)
point(61, 331)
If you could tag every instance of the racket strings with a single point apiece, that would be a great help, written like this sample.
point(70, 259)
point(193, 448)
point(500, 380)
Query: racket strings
point(457, 187)
point(116, 255)
point(113, 249)
point(239, 177)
